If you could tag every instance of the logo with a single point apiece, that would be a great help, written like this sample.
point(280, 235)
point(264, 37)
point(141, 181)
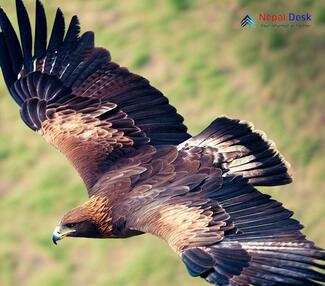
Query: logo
point(248, 20)
point(279, 20)
point(291, 17)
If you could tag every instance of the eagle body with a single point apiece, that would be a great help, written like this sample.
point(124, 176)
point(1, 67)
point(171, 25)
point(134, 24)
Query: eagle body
point(142, 170)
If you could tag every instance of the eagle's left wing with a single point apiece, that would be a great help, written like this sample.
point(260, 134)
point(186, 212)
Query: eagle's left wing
point(70, 92)
point(229, 233)
point(222, 227)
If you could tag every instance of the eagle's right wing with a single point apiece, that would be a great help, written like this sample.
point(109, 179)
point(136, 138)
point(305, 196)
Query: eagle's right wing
point(69, 91)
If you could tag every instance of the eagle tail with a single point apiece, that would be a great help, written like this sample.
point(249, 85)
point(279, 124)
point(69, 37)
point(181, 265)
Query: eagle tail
point(241, 150)
point(266, 246)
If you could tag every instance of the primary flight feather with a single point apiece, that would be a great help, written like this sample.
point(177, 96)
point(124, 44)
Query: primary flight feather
point(143, 171)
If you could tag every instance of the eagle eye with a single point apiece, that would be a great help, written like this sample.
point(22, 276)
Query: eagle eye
point(70, 225)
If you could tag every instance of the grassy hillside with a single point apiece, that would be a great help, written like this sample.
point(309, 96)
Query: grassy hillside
point(197, 54)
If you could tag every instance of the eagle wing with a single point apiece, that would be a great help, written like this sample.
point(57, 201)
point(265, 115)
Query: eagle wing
point(69, 91)
point(223, 229)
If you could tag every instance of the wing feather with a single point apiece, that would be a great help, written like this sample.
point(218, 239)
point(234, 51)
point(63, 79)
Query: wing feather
point(71, 90)
point(40, 31)
point(222, 227)
point(7, 67)
point(25, 32)
point(12, 44)
point(57, 34)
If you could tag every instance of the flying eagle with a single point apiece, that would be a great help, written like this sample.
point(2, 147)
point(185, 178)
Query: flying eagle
point(144, 173)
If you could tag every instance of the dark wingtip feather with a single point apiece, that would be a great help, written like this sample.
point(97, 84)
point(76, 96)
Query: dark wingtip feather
point(5, 63)
point(58, 30)
point(25, 32)
point(40, 31)
point(12, 42)
point(73, 31)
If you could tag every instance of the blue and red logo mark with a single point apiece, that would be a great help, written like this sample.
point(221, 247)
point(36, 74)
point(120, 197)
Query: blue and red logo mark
point(247, 21)
point(285, 19)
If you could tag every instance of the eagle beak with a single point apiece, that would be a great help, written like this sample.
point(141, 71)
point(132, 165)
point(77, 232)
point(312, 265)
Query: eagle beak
point(60, 233)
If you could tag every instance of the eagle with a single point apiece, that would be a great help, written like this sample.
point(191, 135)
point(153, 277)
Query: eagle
point(143, 172)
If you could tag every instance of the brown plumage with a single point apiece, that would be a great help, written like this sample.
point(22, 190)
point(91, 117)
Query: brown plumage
point(143, 172)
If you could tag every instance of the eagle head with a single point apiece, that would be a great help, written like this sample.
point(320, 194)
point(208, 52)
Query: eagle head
point(91, 220)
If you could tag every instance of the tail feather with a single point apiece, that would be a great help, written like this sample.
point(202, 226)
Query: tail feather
point(240, 150)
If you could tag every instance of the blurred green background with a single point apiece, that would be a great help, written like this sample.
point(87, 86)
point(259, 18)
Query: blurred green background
point(197, 54)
